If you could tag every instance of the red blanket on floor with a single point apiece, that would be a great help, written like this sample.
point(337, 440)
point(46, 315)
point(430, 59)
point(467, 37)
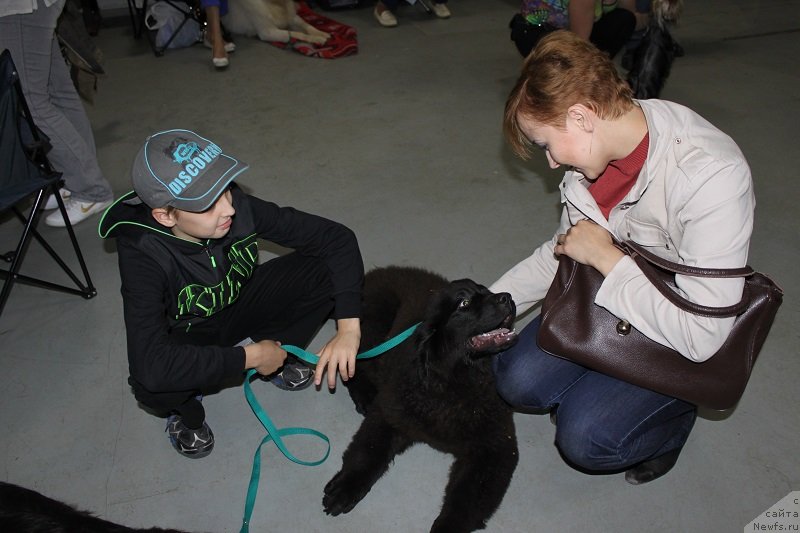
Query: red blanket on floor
point(343, 41)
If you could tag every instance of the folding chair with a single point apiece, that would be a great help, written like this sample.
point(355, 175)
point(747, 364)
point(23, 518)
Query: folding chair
point(138, 13)
point(25, 172)
point(428, 9)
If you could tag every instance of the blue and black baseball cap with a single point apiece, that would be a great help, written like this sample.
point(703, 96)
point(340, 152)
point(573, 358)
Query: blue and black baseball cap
point(179, 168)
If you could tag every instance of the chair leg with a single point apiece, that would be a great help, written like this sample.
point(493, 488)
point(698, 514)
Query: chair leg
point(16, 257)
point(12, 275)
point(88, 290)
point(137, 15)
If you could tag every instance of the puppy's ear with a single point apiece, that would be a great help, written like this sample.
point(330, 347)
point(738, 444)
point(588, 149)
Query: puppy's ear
point(432, 335)
point(425, 347)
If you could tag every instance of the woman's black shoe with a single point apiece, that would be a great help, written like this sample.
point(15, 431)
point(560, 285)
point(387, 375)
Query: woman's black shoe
point(653, 469)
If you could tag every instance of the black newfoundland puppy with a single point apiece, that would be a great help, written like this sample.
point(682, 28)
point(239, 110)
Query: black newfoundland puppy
point(27, 511)
point(436, 387)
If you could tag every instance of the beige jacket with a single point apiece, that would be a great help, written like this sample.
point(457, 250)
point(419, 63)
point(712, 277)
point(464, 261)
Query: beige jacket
point(693, 203)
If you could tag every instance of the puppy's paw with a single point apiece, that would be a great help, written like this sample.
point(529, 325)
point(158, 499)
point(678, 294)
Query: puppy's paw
point(342, 493)
point(320, 38)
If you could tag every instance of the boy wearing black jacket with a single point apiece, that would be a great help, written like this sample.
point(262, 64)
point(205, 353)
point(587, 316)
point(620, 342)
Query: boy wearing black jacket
point(192, 287)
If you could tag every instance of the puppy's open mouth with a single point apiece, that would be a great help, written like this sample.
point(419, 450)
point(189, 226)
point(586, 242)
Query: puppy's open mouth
point(497, 339)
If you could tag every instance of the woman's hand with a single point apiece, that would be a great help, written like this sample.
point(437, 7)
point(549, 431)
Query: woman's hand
point(589, 244)
point(339, 353)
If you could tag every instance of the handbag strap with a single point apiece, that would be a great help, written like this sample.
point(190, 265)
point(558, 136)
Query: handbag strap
point(632, 248)
point(645, 260)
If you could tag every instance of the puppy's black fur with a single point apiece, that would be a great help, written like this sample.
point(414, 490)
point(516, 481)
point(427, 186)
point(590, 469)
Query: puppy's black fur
point(26, 511)
point(437, 387)
point(653, 58)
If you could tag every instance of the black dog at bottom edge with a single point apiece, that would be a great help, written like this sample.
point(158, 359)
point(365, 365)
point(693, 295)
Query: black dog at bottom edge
point(436, 387)
point(27, 511)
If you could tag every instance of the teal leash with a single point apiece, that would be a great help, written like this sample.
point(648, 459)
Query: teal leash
point(274, 434)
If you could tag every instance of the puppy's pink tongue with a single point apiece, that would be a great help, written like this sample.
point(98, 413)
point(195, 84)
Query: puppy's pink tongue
point(491, 339)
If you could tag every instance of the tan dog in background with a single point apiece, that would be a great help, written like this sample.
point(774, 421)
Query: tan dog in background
point(271, 20)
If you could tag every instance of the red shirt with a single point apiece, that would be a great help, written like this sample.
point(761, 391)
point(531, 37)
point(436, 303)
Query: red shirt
point(614, 183)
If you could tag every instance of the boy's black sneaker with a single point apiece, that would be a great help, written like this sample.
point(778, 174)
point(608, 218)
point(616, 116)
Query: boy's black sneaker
point(191, 443)
point(292, 376)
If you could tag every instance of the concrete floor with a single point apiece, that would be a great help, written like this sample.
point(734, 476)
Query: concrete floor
point(402, 143)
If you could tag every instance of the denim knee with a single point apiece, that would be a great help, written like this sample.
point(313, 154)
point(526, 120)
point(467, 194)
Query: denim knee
point(586, 446)
point(596, 443)
point(515, 372)
point(514, 386)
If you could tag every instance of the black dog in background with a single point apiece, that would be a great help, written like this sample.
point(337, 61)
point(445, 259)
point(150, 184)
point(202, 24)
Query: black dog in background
point(26, 511)
point(652, 59)
point(436, 387)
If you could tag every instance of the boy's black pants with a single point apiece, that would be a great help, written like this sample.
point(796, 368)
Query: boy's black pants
point(287, 300)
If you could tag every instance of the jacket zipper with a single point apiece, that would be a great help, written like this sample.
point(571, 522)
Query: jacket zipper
point(210, 256)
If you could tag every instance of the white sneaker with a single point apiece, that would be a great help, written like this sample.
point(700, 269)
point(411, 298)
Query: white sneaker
point(51, 202)
point(441, 11)
point(77, 211)
point(386, 18)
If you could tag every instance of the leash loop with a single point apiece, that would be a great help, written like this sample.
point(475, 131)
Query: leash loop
point(274, 434)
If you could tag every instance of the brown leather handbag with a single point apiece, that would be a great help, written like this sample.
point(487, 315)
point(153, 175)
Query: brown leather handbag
point(575, 328)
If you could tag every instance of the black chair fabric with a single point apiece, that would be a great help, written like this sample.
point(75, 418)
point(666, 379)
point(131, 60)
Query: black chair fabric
point(20, 175)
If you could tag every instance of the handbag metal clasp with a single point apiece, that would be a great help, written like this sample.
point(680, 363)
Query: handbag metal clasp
point(623, 327)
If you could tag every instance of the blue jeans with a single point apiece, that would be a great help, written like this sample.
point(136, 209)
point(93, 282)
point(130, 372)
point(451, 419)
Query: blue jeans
point(603, 424)
point(221, 4)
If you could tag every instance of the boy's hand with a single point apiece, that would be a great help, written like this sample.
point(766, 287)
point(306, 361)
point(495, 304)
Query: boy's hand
point(265, 356)
point(339, 353)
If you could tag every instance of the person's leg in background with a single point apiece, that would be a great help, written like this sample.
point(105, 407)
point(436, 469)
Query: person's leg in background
point(642, 7)
point(386, 11)
point(214, 39)
point(611, 31)
point(440, 9)
point(57, 109)
point(525, 35)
